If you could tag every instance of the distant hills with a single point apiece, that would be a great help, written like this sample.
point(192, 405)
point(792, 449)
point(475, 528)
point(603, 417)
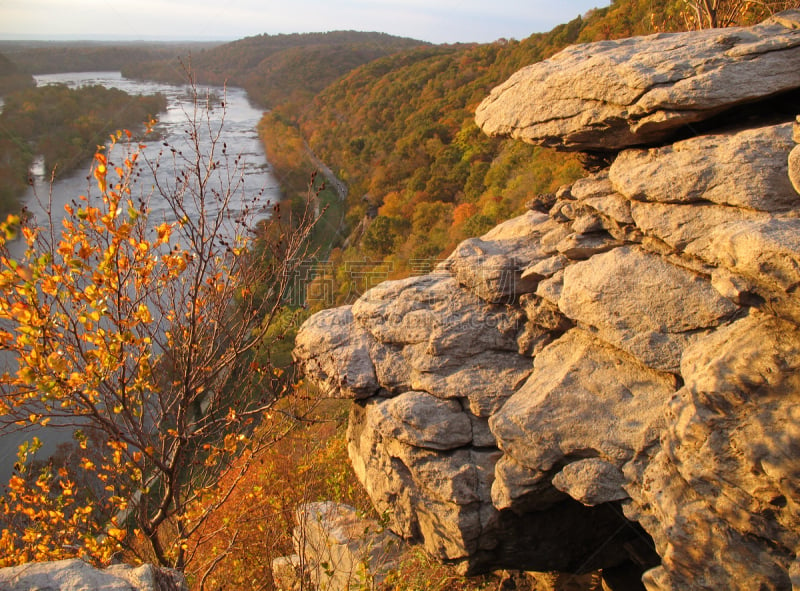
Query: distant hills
point(276, 69)
point(273, 69)
point(49, 57)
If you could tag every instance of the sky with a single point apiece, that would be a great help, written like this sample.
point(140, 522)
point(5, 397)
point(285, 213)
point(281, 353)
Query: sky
point(437, 21)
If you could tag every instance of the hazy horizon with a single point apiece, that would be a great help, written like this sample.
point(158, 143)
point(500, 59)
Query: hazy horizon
point(437, 21)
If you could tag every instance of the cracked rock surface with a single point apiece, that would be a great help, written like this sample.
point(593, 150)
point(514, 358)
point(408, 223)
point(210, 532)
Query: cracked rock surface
point(610, 95)
point(614, 382)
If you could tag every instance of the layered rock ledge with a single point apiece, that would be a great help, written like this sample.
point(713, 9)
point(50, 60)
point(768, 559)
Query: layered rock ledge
point(613, 383)
point(74, 574)
point(614, 94)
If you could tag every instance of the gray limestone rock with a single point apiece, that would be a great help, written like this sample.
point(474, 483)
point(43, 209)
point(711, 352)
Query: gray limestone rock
point(484, 381)
point(335, 352)
point(522, 489)
point(765, 250)
point(439, 498)
point(591, 482)
point(765, 253)
point(422, 420)
point(609, 291)
point(794, 168)
point(584, 399)
point(613, 206)
point(613, 94)
point(596, 185)
point(579, 247)
point(550, 289)
point(287, 573)
point(431, 311)
point(678, 225)
point(721, 496)
point(546, 267)
point(441, 339)
point(341, 550)
point(794, 157)
point(745, 169)
point(77, 575)
point(491, 266)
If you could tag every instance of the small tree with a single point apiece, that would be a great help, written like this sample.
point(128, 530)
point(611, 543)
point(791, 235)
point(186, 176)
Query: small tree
point(711, 14)
point(152, 337)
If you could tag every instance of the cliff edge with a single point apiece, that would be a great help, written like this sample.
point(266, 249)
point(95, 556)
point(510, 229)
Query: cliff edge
point(611, 379)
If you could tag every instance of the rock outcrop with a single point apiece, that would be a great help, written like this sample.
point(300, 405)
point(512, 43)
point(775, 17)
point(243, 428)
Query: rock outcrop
point(614, 94)
point(336, 550)
point(76, 575)
point(615, 383)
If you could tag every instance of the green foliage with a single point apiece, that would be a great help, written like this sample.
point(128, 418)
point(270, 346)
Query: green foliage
point(399, 130)
point(380, 237)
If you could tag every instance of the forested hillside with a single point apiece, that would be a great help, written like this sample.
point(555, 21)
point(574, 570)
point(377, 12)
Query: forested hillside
point(11, 78)
point(64, 126)
point(400, 132)
point(277, 69)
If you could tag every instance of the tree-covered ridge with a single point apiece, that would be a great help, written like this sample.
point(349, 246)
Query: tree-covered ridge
point(64, 126)
point(399, 131)
point(47, 57)
point(422, 177)
point(11, 78)
point(277, 69)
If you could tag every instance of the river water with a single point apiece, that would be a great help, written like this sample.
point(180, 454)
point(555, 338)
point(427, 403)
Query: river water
point(237, 132)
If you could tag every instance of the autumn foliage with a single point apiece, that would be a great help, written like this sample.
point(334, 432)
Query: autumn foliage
point(150, 340)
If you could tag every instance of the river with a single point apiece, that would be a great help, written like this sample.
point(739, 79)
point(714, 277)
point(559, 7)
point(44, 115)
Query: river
point(238, 133)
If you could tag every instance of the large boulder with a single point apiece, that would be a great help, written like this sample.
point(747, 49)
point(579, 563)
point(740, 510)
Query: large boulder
point(738, 169)
point(336, 352)
point(492, 266)
point(762, 254)
point(607, 291)
point(336, 549)
point(613, 94)
point(609, 381)
point(794, 157)
point(721, 495)
point(584, 399)
point(77, 575)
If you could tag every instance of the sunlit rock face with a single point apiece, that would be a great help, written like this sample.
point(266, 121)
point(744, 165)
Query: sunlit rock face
point(614, 94)
point(614, 382)
point(77, 574)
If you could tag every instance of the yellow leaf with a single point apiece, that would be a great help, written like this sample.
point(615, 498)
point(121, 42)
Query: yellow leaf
point(49, 286)
point(163, 231)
